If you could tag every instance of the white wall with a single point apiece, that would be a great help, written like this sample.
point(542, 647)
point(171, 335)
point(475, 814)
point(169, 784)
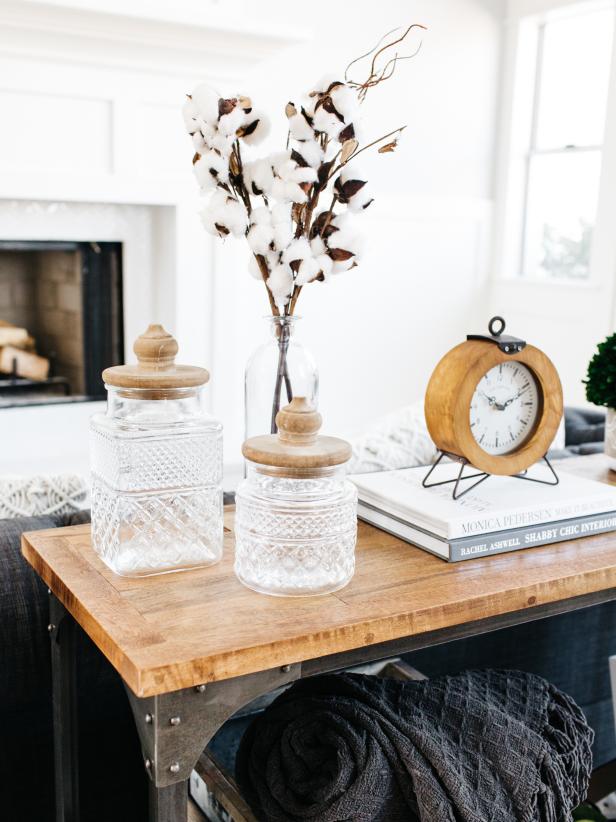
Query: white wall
point(110, 87)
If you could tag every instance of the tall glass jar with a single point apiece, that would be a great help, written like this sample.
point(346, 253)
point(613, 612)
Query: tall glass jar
point(296, 513)
point(278, 370)
point(156, 460)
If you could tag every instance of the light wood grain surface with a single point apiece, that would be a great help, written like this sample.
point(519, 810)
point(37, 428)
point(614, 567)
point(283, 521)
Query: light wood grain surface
point(177, 630)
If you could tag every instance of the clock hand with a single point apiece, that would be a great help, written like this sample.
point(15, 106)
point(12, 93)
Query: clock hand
point(491, 400)
point(513, 399)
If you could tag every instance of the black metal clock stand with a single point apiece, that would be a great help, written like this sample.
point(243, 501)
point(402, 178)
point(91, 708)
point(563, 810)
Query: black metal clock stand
point(482, 475)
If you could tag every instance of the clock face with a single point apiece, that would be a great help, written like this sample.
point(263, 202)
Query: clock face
point(504, 408)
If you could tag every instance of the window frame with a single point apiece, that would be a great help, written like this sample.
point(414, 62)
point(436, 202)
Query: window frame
point(525, 27)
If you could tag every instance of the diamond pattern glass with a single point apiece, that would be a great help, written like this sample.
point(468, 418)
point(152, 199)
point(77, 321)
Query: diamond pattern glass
point(295, 537)
point(156, 488)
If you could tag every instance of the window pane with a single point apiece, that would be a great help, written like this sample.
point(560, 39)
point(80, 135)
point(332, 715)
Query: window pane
point(563, 190)
point(574, 79)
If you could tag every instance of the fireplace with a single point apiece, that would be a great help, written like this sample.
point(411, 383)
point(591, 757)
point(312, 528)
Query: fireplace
point(61, 319)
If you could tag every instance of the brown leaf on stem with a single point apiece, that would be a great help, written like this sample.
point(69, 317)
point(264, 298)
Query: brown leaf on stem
point(297, 157)
point(234, 166)
point(221, 229)
point(290, 109)
point(245, 103)
point(322, 225)
point(307, 117)
point(196, 158)
point(297, 211)
point(226, 106)
point(294, 265)
point(244, 131)
point(347, 133)
point(340, 255)
point(388, 147)
point(323, 174)
point(348, 189)
point(348, 147)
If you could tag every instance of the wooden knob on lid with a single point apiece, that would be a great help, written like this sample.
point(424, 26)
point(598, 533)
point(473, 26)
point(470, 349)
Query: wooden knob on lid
point(156, 367)
point(297, 445)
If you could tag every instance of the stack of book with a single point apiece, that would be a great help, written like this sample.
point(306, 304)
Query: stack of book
point(501, 514)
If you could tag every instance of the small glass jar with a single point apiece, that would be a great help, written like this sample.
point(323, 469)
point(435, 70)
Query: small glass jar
point(296, 513)
point(156, 460)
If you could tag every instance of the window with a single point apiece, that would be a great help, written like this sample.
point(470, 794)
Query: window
point(563, 162)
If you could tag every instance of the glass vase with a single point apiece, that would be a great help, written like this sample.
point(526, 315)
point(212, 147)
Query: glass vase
point(278, 370)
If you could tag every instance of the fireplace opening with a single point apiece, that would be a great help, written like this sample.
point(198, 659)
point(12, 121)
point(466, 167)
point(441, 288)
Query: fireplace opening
point(61, 320)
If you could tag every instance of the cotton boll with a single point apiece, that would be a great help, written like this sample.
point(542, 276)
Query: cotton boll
point(236, 219)
point(222, 143)
point(303, 174)
point(297, 250)
point(287, 192)
point(199, 143)
point(206, 102)
point(311, 152)
point(341, 267)
point(260, 237)
point(229, 123)
point(206, 180)
point(189, 113)
point(281, 213)
point(253, 268)
point(361, 200)
point(285, 168)
point(283, 234)
point(259, 175)
point(299, 127)
point(207, 130)
point(317, 246)
point(224, 215)
point(346, 239)
point(280, 283)
point(325, 264)
point(213, 214)
point(346, 102)
point(308, 270)
point(261, 216)
point(278, 161)
point(328, 123)
point(218, 165)
point(325, 82)
point(256, 128)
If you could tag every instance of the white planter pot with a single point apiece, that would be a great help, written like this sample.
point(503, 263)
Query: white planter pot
point(610, 437)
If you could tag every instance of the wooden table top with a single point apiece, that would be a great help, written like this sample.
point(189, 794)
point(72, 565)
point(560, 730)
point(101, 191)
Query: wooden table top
point(174, 631)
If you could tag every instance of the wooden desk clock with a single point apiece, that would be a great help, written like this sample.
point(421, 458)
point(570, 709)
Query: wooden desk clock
point(493, 403)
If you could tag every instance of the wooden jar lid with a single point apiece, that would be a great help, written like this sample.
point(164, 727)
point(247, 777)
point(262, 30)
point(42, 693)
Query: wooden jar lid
point(297, 444)
point(156, 367)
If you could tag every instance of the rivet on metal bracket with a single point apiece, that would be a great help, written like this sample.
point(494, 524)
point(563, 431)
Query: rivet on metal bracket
point(285, 669)
point(174, 767)
point(51, 627)
point(148, 764)
point(200, 689)
point(148, 719)
point(175, 720)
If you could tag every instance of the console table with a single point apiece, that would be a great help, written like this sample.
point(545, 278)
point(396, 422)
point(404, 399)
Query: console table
point(194, 647)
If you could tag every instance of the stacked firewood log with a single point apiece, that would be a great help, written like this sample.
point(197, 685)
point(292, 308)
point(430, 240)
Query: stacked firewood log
point(18, 355)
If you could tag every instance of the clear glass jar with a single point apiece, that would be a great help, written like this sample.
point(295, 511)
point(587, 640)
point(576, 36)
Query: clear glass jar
point(278, 370)
point(295, 532)
point(156, 459)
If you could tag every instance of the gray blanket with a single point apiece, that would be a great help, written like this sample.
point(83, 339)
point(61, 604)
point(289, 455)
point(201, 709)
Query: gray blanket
point(484, 746)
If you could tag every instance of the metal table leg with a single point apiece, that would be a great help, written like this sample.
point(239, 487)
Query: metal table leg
point(174, 728)
point(62, 632)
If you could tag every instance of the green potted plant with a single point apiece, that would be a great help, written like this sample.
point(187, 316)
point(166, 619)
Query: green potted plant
point(601, 390)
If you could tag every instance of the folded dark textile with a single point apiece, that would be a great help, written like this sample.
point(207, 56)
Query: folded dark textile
point(484, 746)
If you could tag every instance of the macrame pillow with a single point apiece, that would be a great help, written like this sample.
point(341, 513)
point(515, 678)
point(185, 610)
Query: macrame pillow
point(34, 496)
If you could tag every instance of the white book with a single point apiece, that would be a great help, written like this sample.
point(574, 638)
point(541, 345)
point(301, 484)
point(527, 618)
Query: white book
point(498, 504)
